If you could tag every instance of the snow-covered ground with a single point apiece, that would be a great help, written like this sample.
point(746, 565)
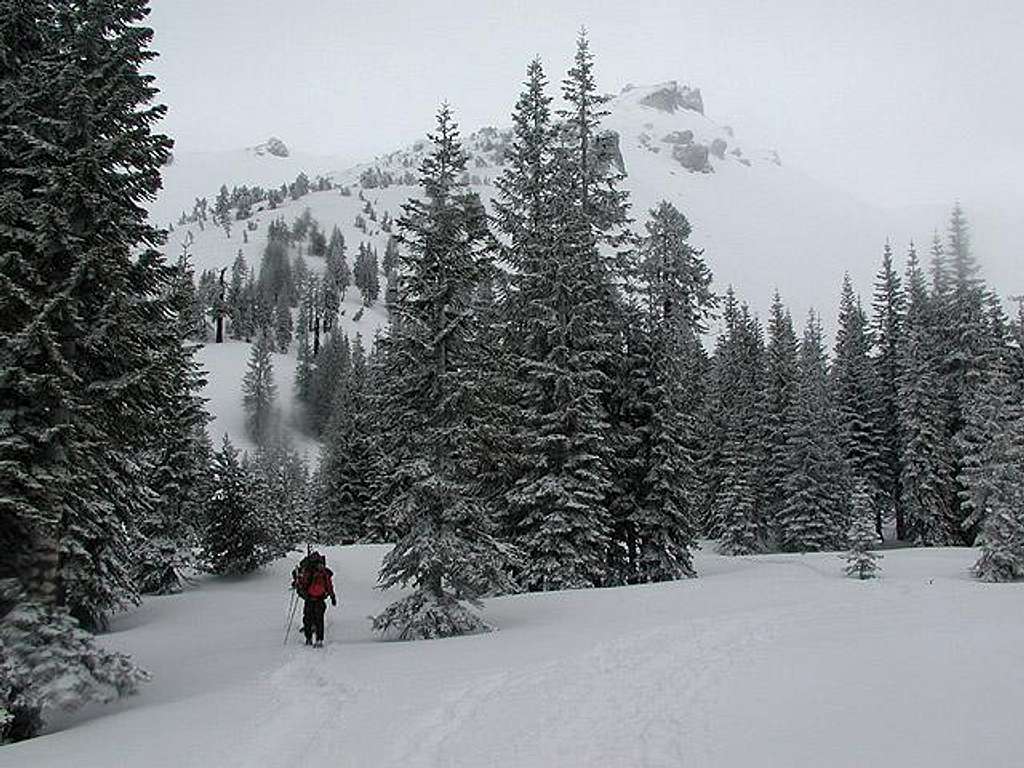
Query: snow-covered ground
point(767, 661)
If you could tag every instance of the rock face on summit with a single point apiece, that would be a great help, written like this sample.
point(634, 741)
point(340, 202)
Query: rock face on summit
point(272, 146)
point(693, 157)
point(672, 96)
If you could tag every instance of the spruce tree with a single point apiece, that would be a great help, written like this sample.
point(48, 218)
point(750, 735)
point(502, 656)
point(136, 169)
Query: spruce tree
point(283, 325)
point(303, 352)
point(346, 467)
point(84, 342)
point(854, 391)
point(995, 417)
point(973, 351)
point(557, 512)
point(926, 476)
point(48, 662)
point(238, 538)
point(888, 319)
point(449, 554)
point(331, 369)
point(236, 298)
point(783, 372)
point(259, 393)
point(736, 480)
point(861, 562)
point(676, 300)
point(178, 460)
point(813, 516)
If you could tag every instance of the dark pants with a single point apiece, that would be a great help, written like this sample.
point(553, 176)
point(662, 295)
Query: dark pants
point(313, 618)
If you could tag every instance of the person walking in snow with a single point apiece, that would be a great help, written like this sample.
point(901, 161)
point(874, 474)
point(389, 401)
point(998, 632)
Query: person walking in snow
point(313, 582)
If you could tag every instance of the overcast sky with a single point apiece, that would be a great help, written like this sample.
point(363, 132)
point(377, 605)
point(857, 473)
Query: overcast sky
point(897, 101)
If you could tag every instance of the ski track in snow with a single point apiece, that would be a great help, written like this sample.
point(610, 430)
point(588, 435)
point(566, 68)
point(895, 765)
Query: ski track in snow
point(776, 661)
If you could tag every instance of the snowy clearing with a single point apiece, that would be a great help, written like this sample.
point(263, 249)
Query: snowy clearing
point(774, 660)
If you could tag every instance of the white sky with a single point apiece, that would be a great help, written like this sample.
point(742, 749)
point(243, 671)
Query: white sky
point(898, 101)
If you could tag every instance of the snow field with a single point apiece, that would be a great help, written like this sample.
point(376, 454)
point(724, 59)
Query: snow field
point(772, 660)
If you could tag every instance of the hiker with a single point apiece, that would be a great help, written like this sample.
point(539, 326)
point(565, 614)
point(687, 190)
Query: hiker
point(312, 581)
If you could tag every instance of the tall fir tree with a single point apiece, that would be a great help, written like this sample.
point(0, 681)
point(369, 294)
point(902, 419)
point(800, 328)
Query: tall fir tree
point(970, 353)
point(783, 380)
point(888, 319)
point(83, 332)
point(237, 309)
point(283, 324)
point(259, 393)
point(346, 466)
point(239, 536)
point(676, 302)
point(927, 471)
point(854, 392)
point(557, 513)
point(814, 516)
point(736, 481)
point(449, 554)
point(178, 460)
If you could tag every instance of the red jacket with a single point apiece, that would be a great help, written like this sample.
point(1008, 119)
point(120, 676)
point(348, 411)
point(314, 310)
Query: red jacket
point(320, 584)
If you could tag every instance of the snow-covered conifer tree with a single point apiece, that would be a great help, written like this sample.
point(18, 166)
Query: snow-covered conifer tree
point(178, 459)
point(888, 317)
point(783, 372)
point(813, 516)
point(861, 562)
point(259, 393)
point(303, 353)
point(346, 466)
point(237, 300)
point(676, 301)
point(84, 341)
point(448, 554)
point(854, 392)
point(927, 471)
point(240, 535)
point(282, 324)
point(736, 479)
point(557, 512)
point(48, 662)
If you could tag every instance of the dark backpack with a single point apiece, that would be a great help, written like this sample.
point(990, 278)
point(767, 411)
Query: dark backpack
point(302, 576)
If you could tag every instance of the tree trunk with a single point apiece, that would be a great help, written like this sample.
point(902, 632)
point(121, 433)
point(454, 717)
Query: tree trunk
point(220, 308)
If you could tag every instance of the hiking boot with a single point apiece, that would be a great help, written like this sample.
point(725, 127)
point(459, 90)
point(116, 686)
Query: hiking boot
point(309, 640)
point(318, 644)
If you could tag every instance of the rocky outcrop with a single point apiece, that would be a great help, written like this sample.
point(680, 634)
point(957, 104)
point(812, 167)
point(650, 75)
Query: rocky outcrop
point(272, 146)
point(693, 157)
point(276, 147)
point(718, 147)
point(672, 96)
point(679, 137)
point(606, 152)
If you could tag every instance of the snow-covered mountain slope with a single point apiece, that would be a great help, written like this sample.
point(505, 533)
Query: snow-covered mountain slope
point(762, 224)
point(198, 174)
point(775, 661)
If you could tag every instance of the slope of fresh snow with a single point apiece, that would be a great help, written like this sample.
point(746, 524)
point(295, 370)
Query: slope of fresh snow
point(225, 365)
point(763, 224)
point(201, 174)
point(769, 661)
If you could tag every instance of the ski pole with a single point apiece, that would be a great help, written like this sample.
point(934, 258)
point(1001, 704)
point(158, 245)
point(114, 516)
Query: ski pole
point(291, 616)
